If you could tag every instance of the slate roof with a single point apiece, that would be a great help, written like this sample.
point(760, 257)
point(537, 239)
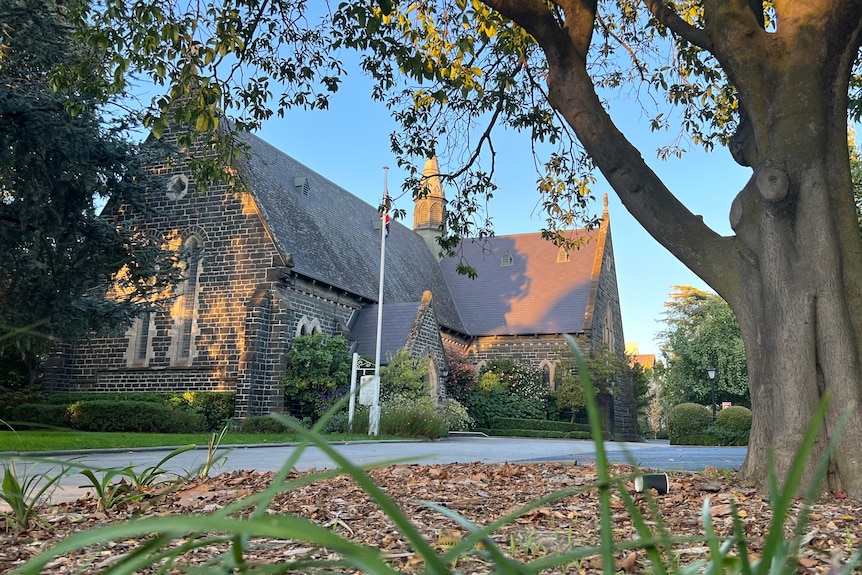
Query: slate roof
point(534, 295)
point(395, 328)
point(331, 234)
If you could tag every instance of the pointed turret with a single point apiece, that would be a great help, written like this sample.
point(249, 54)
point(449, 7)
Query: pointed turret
point(430, 207)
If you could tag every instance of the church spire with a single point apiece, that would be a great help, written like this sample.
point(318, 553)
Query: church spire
point(430, 206)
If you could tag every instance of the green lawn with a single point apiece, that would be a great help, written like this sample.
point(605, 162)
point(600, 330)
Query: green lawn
point(74, 440)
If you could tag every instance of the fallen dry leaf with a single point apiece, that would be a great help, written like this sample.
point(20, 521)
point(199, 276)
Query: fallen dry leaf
point(628, 564)
point(719, 510)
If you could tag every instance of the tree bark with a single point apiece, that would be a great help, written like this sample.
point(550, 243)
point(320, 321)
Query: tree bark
point(792, 271)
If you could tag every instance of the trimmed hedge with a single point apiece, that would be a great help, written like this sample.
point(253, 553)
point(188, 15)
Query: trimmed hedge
point(35, 416)
point(736, 419)
point(68, 398)
point(686, 420)
point(703, 439)
point(215, 407)
point(485, 407)
point(539, 425)
point(263, 424)
point(536, 433)
point(133, 416)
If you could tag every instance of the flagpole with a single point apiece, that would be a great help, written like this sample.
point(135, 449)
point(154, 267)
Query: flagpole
point(374, 416)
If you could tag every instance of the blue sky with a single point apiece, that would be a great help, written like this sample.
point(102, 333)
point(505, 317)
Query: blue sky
point(349, 144)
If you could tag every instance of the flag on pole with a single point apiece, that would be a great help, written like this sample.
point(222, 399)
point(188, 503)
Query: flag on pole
point(385, 217)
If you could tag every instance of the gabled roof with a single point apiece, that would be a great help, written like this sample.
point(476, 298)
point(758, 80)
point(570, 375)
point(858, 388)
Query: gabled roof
point(334, 236)
point(535, 294)
point(395, 328)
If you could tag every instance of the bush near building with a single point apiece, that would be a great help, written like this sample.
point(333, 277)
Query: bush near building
point(517, 427)
point(104, 416)
point(507, 388)
point(189, 412)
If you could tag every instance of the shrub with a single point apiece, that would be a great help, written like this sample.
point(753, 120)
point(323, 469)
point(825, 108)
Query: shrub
point(736, 419)
point(539, 425)
point(132, 416)
point(687, 419)
point(520, 380)
point(461, 378)
point(486, 407)
point(457, 416)
point(216, 408)
point(489, 382)
point(317, 375)
point(403, 376)
point(17, 396)
point(409, 417)
point(35, 415)
point(263, 424)
point(569, 395)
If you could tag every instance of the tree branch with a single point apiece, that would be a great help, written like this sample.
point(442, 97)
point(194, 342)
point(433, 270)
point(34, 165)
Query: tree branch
point(668, 16)
point(538, 20)
point(580, 21)
point(664, 217)
point(634, 57)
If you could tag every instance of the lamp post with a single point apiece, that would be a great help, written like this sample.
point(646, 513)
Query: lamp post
point(710, 371)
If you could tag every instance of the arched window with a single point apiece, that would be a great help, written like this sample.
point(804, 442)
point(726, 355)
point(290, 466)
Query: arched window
point(308, 326)
point(185, 309)
point(140, 335)
point(548, 368)
point(143, 343)
point(608, 335)
point(563, 255)
point(507, 259)
point(432, 379)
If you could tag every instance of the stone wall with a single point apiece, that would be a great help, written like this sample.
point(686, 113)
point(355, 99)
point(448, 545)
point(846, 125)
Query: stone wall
point(424, 341)
point(236, 257)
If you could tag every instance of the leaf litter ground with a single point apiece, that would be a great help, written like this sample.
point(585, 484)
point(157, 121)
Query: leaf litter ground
point(482, 493)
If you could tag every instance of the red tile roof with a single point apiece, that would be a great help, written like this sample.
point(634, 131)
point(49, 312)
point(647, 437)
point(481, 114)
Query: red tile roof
point(534, 295)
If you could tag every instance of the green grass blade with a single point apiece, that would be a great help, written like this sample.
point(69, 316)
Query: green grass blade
point(602, 468)
point(774, 554)
point(644, 532)
point(715, 565)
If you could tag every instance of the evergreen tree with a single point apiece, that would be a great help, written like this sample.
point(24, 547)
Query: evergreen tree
point(702, 332)
point(64, 271)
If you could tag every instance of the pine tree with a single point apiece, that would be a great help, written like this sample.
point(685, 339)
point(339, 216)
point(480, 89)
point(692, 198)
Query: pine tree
point(64, 271)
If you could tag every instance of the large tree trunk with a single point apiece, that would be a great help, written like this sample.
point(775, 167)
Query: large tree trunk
point(796, 293)
point(792, 273)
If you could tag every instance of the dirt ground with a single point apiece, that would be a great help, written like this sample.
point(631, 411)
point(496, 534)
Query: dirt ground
point(479, 492)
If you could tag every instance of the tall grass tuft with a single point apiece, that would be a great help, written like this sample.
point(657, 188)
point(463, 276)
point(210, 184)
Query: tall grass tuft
point(23, 493)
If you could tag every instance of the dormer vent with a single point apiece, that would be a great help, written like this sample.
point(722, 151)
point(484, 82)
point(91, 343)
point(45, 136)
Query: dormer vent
point(301, 185)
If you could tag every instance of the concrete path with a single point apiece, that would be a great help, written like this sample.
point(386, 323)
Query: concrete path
point(463, 449)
